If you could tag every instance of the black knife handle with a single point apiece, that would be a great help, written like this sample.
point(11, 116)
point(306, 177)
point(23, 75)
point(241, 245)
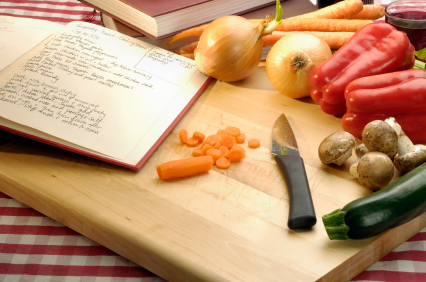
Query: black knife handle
point(302, 213)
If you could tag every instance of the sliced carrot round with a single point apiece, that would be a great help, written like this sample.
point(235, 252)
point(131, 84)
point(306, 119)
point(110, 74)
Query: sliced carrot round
point(183, 136)
point(254, 143)
point(205, 147)
point(228, 141)
point(196, 152)
point(224, 151)
point(215, 153)
point(217, 145)
point(236, 154)
point(240, 138)
point(198, 135)
point(214, 139)
point(223, 163)
point(222, 132)
point(192, 142)
point(233, 131)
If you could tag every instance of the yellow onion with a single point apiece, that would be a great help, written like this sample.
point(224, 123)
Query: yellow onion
point(231, 47)
point(291, 61)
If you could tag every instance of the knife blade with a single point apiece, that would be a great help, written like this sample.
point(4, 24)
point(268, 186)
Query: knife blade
point(287, 157)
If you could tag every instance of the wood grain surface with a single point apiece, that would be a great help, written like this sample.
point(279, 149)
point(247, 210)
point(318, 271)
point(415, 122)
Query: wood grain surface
point(225, 225)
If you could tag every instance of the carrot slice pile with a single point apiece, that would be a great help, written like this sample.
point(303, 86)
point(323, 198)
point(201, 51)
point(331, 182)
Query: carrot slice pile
point(220, 149)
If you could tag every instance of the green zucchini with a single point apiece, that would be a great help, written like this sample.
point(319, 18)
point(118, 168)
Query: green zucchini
point(396, 204)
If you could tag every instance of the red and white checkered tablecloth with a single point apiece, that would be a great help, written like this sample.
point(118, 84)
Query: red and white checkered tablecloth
point(34, 247)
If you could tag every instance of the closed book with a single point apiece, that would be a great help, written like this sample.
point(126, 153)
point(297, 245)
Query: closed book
point(158, 19)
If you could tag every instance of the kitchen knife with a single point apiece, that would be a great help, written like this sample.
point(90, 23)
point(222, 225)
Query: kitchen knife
point(287, 157)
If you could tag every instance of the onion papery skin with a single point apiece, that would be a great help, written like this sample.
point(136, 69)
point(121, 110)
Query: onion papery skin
point(230, 48)
point(307, 52)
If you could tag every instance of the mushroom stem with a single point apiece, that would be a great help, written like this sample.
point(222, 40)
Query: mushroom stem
point(405, 146)
point(409, 156)
point(360, 151)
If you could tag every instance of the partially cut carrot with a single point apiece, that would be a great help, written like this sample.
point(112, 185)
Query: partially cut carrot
point(236, 154)
point(240, 138)
point(233, 131)
point(223, 163)
point(335, 40)
point(192, 142)
point(199, 136)
point(228, 141)
point(185, 167)
point(340, 10)
point(224, 151)
point(196, 152)
point(371, 12)
point(333, 25)
point(254, 143)
point(183, 136)
point(215, 153)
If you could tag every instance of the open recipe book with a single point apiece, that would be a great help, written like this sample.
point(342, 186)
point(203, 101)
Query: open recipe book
point(92, 90)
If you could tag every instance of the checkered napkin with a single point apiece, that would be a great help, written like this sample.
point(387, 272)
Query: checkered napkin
point(59, 11)
point(34, 247)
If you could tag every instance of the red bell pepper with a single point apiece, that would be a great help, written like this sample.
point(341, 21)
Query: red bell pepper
point(401, 95)
point(376, 48)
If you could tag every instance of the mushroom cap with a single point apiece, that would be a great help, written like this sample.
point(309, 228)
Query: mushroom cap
point(410, 161)
point(379, 136)
point(375, 170)
point(336, 148)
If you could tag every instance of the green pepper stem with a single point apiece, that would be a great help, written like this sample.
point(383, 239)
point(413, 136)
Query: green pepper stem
point(270, 27)
point(335, 226)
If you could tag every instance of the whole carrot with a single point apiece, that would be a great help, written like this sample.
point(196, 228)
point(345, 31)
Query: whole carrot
point(335, 40)
point(330, 25)
point(341, 10)
point(185, 167)
point(371, 12)
point(188, 49)
point(197, 31)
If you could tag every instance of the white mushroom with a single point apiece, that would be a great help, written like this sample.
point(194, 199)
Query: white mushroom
point(360, 151)
point(409, 156)
point(375, 170)
point(379, 136)
point(336, 148)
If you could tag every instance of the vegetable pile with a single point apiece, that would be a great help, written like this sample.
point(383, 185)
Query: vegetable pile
point(220, 149)
point(384, 147)
point(369, 80)
point(335, 24)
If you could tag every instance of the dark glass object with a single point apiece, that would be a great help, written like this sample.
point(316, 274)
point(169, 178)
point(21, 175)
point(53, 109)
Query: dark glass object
point(409, 16)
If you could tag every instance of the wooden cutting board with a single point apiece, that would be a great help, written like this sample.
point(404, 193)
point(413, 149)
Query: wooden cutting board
point(225, 225)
